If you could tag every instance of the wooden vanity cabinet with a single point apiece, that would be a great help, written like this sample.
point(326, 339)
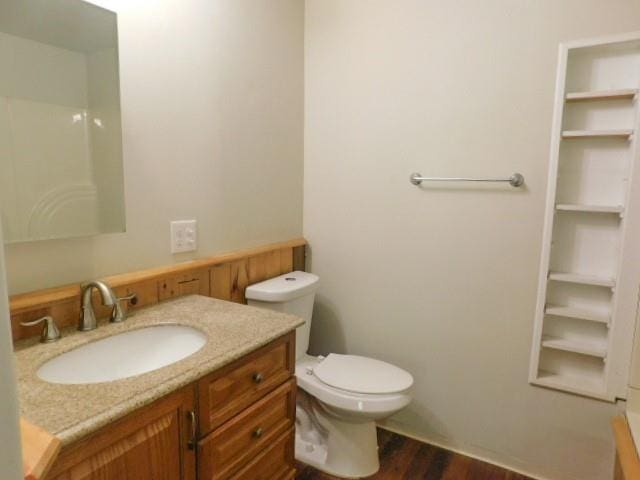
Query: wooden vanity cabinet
point(244, 428)
point(153, 443)
point(247, 416)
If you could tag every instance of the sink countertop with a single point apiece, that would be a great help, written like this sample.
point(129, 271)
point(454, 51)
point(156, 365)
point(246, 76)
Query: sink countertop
point(73, 411)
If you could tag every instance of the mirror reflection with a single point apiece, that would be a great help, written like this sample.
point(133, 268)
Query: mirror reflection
point(60, 130)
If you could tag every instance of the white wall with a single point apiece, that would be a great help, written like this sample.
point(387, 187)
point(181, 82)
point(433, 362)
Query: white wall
point(212, 107)
point(442, 281)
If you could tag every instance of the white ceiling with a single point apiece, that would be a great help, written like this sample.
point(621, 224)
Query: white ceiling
point(70, 24)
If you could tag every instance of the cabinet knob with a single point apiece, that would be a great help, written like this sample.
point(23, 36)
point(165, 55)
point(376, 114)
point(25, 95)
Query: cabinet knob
point(258, 377)
point(257, 433)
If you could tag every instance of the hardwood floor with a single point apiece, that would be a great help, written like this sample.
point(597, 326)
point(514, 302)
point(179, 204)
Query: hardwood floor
point(403, 458)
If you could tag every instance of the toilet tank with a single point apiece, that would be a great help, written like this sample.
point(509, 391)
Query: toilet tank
point(292, 293)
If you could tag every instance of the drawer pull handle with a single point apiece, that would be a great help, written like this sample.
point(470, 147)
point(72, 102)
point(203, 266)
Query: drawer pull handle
point(194, 430)
point(257, 433)
point(258, 377)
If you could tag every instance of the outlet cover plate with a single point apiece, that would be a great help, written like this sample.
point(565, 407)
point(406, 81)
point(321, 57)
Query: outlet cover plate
point(184, 236)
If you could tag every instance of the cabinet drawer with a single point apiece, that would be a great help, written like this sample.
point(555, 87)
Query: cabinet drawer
point(277, 462)
point(227, 392)
point(225, 451)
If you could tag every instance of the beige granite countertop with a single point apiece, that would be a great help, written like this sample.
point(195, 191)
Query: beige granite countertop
point(74, 411)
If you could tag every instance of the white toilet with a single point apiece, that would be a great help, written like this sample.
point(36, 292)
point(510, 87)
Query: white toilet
point(340, 396)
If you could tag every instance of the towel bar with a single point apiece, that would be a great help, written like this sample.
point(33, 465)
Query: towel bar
point(515, 180)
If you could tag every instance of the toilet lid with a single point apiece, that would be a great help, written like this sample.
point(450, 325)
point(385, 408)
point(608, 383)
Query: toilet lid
point(362, 375)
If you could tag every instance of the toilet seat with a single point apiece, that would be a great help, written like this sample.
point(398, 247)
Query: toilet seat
point(363, 375)
point(374, 405)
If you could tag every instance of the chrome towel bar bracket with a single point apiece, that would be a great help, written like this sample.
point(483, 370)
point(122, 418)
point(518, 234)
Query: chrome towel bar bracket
point(515, 180)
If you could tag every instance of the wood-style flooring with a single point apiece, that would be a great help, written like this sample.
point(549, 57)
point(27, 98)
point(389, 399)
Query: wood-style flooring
point(403, 458)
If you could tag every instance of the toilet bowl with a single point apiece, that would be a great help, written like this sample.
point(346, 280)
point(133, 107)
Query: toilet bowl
point(340, 397)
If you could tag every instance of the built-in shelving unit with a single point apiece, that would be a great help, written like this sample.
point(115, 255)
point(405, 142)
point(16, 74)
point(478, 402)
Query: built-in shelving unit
point(624, 94)
point(582, 279)
point(581, 134)
point(589, 273)
point(579, 313)
point(581, 385)
point(590, 208)
point(593, 349)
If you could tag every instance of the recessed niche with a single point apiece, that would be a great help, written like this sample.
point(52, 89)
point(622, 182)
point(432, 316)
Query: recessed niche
point(593, 172)
point(586, 243)
point(585, 309)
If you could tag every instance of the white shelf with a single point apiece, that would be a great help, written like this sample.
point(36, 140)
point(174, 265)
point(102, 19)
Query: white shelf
point(569, 207)
point(592, 349)
point(582, 279)
point(624, 94)
point(579, 313)
point(578, 134)
point(593, 387)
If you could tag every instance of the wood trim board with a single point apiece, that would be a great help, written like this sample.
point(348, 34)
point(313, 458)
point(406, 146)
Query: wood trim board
point(224, 276)
point(627, 465)
point(39, 450)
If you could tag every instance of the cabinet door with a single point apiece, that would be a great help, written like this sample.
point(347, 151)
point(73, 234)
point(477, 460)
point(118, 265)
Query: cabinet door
point(152, 443)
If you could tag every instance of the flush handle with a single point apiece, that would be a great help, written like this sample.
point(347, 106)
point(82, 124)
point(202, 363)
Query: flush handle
point(257, 377)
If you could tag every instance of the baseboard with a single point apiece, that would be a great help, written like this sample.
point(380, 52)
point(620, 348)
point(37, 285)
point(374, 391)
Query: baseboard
point(461, 451)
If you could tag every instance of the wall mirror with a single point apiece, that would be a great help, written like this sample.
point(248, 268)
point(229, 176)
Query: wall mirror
point(61, 170)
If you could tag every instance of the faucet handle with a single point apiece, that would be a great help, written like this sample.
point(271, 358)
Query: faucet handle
point(118, 314)
point(50, 332)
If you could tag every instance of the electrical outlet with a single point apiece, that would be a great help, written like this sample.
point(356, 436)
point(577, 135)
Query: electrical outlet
point(184, 236)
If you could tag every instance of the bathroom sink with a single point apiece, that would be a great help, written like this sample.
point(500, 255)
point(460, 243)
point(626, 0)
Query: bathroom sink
point(124, 355)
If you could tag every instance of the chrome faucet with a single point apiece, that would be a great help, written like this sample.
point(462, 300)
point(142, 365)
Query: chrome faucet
point(88, 317)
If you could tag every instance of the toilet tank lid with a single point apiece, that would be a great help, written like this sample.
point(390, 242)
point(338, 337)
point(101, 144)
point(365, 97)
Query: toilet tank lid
point(283, 288)
point(362, 375)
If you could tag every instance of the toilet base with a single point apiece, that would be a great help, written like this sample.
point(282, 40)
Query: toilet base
point(339, 447)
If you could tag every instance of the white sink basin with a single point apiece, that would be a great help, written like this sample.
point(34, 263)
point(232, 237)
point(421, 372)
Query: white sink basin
point(124, 355)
